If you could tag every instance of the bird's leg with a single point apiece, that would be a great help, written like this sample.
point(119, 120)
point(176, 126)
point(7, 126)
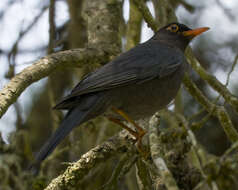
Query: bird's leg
point(137, 134)
point(117, 121)
point(140, 131)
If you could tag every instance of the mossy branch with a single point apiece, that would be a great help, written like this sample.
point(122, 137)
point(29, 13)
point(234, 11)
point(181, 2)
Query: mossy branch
point(45, 66)
point(212, 81)
point(146, 14)
point(156, 149)
point(217, 111)
point(118, 144)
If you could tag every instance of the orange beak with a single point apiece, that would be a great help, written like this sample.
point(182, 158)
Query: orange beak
point(195, 32)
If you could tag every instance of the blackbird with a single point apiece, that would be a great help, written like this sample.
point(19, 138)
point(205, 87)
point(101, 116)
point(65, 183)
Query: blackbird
point(134, 85)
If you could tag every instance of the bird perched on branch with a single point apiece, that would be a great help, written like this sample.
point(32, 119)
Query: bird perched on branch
point(134, 85)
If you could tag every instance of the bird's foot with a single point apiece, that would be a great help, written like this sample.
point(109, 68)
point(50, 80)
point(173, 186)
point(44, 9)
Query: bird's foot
point(140, 130)
point(138, 134)
point(138, 137)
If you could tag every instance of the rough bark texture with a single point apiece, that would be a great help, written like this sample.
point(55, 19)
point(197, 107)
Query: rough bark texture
point(77, 171)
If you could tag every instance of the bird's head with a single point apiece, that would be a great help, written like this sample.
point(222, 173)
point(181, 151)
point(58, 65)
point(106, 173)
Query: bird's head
point(178, 35)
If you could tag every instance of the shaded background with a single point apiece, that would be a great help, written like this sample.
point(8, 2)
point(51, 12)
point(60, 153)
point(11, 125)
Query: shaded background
point(24, 38)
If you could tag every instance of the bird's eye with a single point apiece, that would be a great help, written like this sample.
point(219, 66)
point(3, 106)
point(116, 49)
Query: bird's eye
point(173, 28)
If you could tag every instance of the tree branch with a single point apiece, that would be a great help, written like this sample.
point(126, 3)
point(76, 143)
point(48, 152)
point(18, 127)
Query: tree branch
point(155, 148)
point(218, 111)
point(212, 81)
point(146, 14)
point(120, 143)
point(45, 66)
point(123, 166)
point(133, 32)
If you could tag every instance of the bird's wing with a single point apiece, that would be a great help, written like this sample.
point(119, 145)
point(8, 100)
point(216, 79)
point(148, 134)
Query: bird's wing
point(142, 63)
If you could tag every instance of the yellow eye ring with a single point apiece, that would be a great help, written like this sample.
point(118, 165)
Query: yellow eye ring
point(173, 28)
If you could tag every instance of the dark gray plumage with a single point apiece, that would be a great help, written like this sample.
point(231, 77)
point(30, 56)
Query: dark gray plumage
point(139, 82)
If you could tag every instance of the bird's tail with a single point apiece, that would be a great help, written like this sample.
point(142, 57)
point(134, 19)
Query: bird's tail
point(74, 117)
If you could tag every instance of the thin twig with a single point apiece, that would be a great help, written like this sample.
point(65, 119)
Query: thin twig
point(219, 112)
point(212, 81)
point(143, 175)
point(231, 70)
point(119, 171)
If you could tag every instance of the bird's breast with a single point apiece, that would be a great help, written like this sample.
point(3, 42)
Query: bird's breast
point(143, 100)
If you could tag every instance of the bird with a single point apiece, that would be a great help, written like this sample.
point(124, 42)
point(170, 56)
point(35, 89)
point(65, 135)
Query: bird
point(133, 86)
